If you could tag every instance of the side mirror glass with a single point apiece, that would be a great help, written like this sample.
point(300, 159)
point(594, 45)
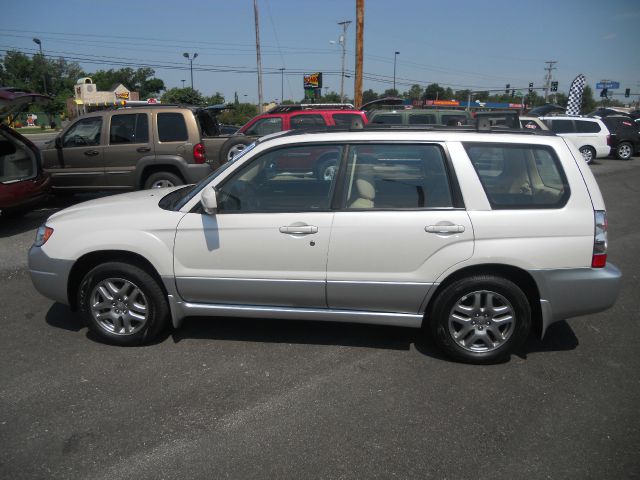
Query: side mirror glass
point(209, 201)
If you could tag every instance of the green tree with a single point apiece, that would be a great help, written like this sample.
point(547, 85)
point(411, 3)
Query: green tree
point(390, 92)
point(186, 96)
point(434, 92)
point(588, 102)
point(369, 96)
point(140, 80)
point(414, 93)
point(240, 114)
point(215, 99)
point(331, 97)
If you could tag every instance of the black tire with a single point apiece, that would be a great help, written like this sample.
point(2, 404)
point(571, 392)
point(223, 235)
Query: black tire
point(14, 213)
point(471, 335)
point(162, 179)
point(138, 292)
point(233, 145)
point(588, 153)
point(624, 151)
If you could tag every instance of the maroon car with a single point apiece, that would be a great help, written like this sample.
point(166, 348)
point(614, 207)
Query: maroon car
point(23, 183)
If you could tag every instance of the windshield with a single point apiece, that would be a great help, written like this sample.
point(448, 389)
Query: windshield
point(197, 188)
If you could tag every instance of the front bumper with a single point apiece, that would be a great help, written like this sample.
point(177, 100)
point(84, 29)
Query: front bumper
point(49, 275)
point(566, 293)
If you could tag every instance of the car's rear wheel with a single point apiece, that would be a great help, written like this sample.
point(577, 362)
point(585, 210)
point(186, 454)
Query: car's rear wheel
point(122, 304)
point(624, 151)
point(162, 180)
point(480, 319)
point(588, 153)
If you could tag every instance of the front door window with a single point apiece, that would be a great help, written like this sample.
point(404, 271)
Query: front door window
point(83, 133)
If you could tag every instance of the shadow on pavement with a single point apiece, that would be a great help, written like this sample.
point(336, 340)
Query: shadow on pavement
point(559, 336)
point(61, 316)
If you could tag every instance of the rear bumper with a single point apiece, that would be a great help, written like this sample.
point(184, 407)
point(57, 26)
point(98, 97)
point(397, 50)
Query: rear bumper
point(571, 292)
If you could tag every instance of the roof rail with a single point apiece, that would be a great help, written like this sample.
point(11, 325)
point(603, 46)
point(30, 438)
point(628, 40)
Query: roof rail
point(311, 106)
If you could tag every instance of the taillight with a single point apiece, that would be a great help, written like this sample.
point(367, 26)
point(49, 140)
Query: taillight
point(198, 153)
point(599, 258)
point(609, 140)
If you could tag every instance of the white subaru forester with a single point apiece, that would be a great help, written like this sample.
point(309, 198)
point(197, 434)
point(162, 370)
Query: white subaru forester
point(476, 236)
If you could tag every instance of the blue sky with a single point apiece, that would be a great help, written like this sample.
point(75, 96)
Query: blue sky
point(461, 44)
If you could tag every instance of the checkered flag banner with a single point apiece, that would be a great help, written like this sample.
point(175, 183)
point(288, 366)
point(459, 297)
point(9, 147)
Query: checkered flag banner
point(575, 95)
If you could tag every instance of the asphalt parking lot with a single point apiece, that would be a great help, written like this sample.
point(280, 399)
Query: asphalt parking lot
point(234, 398)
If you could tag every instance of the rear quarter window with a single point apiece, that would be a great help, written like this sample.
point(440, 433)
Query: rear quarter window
point(519, 176)
point(388, 119)
point(172, 127)
point(345, 119)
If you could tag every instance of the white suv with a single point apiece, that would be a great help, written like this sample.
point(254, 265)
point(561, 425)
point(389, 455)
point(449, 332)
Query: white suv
point(477, 237)
point(590, 135)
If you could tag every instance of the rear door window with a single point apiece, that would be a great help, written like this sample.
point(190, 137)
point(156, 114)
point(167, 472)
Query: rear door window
point(299, 122)
point(172, 127)
point(388, 119)
point(422, 119)
point(519, 176)
point(402, 176)
point(584, 126)
point(562, 126)
point(345, 119)
point(129, 128)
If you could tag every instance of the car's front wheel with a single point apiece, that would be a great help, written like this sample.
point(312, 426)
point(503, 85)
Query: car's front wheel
point(122, 304)
point(480, 319)
point(624, 151)
point(588, 153)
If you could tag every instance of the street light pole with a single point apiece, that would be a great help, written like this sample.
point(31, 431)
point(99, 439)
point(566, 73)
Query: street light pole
point(191, 59)
point(281, 84)
point(343, 42)
point(395, 56)
point(44, 72)
point(183, 83)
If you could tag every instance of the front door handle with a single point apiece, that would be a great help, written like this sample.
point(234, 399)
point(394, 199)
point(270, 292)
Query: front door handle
point(91, 153)
point(299, 229)
point(444, 228)
point(143, 149)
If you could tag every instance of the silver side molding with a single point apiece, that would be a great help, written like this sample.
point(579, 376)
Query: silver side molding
point(180, 310)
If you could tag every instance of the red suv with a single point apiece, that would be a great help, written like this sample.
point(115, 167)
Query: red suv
point(292, 117)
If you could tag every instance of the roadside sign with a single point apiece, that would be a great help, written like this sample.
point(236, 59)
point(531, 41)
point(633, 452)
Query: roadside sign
point(610, 85)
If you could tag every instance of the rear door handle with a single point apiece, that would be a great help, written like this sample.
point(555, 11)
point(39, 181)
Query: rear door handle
point(143, 149)
point(444, 228)
point(91, 153)
point(299, 229)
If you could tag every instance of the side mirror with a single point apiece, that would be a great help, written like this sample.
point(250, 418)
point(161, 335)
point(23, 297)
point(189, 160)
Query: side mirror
point(58, 141)
point(209, 201)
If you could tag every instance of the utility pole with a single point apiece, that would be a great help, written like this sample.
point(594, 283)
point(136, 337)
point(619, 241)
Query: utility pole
point(259, 60)
point(395, 56)
point(547, 79)
point(343, 42)
point(357, 90)
point(281, 84)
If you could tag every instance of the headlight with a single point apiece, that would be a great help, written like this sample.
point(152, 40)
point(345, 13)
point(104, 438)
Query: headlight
point(42, 235)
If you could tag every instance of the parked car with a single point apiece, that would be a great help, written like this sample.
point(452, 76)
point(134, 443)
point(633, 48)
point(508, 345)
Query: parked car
point(590, 135)
point(23, 183)
point(135, 148)
point(477, 237)
point(625, 136)
point(419, 116)
point(546, 109)
point(603, 112)
point(532, 123)
point(291, 117)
